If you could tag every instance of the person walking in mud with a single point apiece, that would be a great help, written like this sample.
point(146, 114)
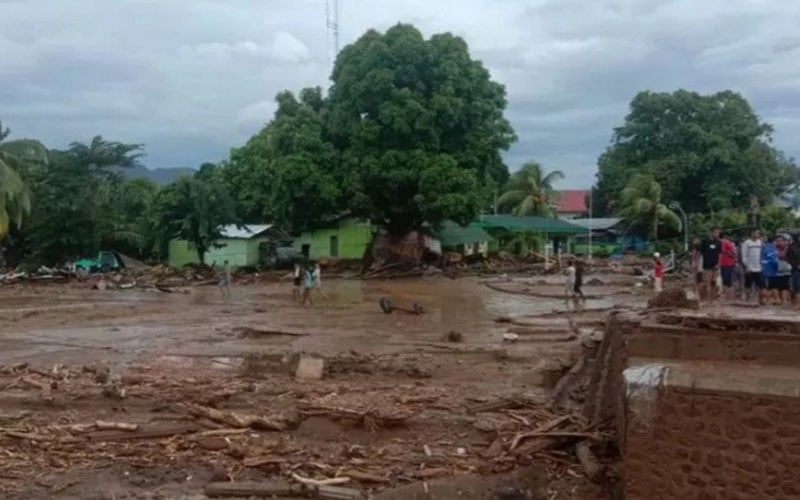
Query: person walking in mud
point(225, 280)
point(710, 250)
point(308, 285)
point(318, 280)
point(578, 287)
point(297, 282)
point(569, 281)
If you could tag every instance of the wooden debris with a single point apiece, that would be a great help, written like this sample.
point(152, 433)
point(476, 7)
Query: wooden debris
point(119, 426)
point(247, 331)
point(328, 492)
point(245, 489)
point(320, 482)
point(591, 466)
point(547, 426)
point(366, 477)
point(271, 423)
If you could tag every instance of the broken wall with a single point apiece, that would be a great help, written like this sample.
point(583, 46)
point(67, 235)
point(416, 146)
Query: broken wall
point(703, 407)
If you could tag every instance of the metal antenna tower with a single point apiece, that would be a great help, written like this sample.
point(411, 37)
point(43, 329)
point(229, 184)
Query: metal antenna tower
point(332, 23)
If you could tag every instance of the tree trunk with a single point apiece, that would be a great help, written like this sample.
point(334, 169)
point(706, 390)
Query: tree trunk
point(201, 256)
point(655, 229)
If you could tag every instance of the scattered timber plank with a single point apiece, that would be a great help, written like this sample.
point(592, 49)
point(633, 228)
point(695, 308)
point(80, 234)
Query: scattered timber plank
point(265, 489)
point(247, 331)
point(155, 432)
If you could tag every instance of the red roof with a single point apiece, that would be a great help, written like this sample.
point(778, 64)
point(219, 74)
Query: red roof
point(571, 201)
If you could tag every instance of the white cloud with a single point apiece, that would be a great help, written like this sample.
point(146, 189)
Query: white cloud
point(192, 79)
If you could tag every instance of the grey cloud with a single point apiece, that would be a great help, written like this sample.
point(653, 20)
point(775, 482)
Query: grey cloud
point(192, 79)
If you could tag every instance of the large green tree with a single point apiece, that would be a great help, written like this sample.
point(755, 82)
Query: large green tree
point(195, 209)
point(708, 152)
point(530, 191)
point(410, 133)
point(17, 158)
point(404, 110)
point(643, 206)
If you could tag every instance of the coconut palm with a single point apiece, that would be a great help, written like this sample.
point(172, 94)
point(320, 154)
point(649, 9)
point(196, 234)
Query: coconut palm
point(529, 191)
point(642, 206)
point(15, 199)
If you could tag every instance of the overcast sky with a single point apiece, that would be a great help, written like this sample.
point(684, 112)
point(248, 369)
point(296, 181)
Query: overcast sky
point(191, 78)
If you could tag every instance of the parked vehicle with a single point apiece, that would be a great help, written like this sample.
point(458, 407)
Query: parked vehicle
point(105, 261)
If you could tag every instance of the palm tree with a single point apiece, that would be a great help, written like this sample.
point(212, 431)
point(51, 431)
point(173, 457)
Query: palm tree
point(15, 198)
point(529, 191)
point(642, 206)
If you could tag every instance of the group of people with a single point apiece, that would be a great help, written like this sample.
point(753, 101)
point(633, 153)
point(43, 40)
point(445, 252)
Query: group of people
point(767, 269)
point(305, 279)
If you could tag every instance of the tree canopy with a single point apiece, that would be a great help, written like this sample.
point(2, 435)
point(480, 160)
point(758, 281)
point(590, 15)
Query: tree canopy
point(708, 152)
point(409, 133)
point(530, 191)
point(16, 158)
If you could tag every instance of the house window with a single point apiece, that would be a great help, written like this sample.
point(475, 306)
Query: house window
point(334, 246)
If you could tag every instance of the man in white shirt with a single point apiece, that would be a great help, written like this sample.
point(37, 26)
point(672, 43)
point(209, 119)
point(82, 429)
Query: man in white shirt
point(751, 261)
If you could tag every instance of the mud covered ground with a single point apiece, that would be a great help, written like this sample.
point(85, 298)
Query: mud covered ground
point(144, 394)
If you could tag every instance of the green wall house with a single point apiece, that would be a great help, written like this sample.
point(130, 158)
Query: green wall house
point(523, 234)
point(346, 239)
point(239, 246)
point(465, 240)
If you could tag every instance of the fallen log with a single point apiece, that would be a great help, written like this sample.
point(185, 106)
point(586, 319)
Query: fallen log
point(591, 465)
point(237, 420)
point(153, 433)
point(119, 426)
point(246, 489)
point(327, 492)
point(246, 331)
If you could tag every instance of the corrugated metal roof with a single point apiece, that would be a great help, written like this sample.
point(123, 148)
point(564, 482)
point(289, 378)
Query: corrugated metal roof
point(571, 201)
point(453, 234)
point(533, 224)
point(233, 231)
point(597, 223)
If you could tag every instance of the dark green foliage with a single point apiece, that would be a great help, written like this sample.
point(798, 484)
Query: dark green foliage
point(410, 133)
point(194, 209)
point(708, 152)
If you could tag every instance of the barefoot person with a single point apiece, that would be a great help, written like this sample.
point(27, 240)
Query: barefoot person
point(308, 285)
point(225, 280)
point(297, 283)
point(318, 280)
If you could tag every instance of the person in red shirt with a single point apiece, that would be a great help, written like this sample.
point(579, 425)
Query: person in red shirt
point(727, 263)
point(658, 272)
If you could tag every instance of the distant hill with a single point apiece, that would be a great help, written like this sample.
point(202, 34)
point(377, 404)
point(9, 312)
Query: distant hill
point(157, 175)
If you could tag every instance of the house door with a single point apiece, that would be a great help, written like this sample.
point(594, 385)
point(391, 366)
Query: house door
point(334, 246)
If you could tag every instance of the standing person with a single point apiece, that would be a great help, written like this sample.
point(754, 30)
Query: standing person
point(578, 287)
point(783, 278)
point(318, 280)
point(769, 269)
point(297, 283)
point(225, 280)
point(308, 285)
point(727, 262)
point(569, 282)
point(752, 248)
point(710, 250)
point(658, 272)
point(793, 258)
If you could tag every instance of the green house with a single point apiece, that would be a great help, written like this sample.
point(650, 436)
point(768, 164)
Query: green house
point(238, 245)
point(525, 233)
point(465, 240)
point(345, 239)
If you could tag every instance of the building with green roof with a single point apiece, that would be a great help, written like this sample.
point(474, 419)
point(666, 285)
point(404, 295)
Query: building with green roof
point(465, 240)
point(523, 234)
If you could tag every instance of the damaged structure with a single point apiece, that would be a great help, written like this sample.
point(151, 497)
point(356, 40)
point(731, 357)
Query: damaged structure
point(703, 406)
